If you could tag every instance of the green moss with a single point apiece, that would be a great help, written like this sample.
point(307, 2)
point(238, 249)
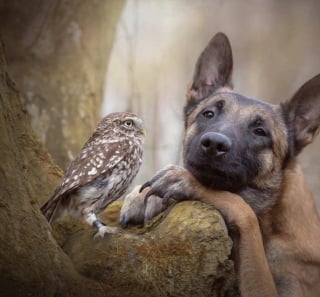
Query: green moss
point(183, 252)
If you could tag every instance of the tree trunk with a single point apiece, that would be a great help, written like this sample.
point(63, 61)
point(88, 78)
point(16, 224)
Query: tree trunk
point(58, 53)
point(31, 262)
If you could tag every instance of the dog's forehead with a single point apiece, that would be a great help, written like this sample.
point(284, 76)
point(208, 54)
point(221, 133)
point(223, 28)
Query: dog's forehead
point(238, 106)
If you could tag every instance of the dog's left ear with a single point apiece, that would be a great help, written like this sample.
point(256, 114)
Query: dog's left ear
point(304, 113)
point(213, 69)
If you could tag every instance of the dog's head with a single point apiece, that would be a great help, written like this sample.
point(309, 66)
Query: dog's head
point(233, 142)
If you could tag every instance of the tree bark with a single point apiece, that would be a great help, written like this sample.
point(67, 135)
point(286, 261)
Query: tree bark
point(60, 73)
point(31, 262)
point(58, 53)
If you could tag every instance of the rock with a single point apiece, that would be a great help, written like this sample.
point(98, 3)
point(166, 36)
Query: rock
point(66, 227)
point(182, 252)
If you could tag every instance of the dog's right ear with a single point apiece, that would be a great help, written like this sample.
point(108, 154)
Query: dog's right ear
point(304, 113)
point(213, 69)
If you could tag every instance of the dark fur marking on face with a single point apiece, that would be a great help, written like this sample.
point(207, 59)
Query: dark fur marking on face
point(254, 128)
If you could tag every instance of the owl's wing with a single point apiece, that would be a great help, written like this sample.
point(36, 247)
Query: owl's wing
point(93, 160)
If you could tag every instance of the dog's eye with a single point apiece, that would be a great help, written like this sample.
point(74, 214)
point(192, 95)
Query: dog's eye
point(260, 131)
point(220, 104)
point(208, 114)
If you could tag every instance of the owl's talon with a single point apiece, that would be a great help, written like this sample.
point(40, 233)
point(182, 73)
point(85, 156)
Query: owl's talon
point(98, 224)
point(107, 230)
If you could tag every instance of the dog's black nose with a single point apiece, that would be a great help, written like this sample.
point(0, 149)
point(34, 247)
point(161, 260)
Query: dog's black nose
point(215, 144)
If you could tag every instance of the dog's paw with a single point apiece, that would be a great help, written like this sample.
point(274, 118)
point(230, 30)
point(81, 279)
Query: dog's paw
point(153, 207)
point(171, 182)
point(135, 211)
point(133, 208)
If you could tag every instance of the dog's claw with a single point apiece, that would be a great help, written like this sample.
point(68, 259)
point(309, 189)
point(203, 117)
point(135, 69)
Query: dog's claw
point(166, 198)
point(170, 182)
point(145, 185)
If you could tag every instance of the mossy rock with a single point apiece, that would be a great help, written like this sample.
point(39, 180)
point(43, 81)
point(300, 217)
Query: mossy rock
point(183, 252)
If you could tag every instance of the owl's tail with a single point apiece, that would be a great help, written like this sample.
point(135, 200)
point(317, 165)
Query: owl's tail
point(51, 209)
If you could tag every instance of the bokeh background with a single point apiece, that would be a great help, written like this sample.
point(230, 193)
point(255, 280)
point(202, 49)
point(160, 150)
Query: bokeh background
point(276, 48)
point(76, 61)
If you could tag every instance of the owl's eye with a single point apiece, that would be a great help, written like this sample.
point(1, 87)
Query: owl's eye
point(128, 123)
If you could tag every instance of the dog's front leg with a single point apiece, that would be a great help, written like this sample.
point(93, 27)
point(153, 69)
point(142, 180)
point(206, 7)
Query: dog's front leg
point(255, 278)
point(253, 270)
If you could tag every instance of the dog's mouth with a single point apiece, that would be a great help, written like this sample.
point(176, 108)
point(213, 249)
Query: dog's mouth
point(215, 167)
point(232, 179)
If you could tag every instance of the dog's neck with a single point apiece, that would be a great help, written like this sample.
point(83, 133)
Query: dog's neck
point(258, 199)
point(292, 208)
point(263, 198)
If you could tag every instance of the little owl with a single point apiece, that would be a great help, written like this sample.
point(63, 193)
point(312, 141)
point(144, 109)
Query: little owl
point(101, 173)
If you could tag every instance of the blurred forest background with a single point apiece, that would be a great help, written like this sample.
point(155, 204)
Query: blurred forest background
point(276, 48)
point(75, 61)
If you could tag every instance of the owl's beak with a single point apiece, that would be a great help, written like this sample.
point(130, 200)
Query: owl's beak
point(143, 132)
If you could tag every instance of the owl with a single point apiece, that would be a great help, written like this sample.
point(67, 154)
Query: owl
point(101, 173)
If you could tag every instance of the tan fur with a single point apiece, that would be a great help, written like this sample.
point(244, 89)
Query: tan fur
point(289, 240)
point(292, 248)
point(272, 216)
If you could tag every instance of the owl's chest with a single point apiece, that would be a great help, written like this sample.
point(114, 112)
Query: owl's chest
point(116, 181)
point(121, 177)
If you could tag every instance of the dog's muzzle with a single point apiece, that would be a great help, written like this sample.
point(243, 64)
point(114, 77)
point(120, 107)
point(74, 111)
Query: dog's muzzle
point(215, 144)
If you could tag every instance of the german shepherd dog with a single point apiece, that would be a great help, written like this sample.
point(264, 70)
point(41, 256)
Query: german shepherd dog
point(240, 156)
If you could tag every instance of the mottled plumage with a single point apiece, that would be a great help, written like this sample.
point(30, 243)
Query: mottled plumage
point(101, 173)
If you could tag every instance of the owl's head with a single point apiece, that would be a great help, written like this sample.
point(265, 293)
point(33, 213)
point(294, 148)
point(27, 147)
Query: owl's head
point(124, 123)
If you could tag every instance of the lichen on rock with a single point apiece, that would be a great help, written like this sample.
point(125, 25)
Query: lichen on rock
point(183, 252)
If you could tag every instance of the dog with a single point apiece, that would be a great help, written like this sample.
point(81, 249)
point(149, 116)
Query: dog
point(240, 155)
